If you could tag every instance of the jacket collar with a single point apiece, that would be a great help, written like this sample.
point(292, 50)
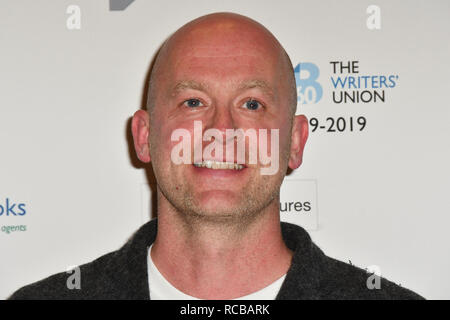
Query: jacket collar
point(301, 280)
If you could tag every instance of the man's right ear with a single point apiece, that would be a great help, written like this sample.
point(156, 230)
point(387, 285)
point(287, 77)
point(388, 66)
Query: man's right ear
point(140, 127)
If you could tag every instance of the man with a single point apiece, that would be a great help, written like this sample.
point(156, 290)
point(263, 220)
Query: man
point(218, 234)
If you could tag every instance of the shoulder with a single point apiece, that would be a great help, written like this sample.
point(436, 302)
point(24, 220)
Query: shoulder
point(342, 280)
point(120, 274)
point(84, 282)
point(314, 275)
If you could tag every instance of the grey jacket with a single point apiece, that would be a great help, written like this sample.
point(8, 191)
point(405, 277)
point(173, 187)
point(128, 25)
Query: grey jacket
point(122, 274)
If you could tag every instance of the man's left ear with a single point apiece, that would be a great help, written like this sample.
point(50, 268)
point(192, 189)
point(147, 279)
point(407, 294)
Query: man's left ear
point(299, 135)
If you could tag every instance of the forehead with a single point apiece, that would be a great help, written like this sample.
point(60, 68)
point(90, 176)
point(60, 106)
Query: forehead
point(224, 54)
point(226, 68)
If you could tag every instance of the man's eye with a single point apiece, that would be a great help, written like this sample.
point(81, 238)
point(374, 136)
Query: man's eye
point(252, 105)
point(193, 103)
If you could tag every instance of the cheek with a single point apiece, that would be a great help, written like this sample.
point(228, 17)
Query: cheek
point(285, 139)
point(282, 137)
point(161, 137)
point(158, 140)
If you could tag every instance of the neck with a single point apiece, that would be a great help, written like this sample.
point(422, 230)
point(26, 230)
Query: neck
point(220, 260)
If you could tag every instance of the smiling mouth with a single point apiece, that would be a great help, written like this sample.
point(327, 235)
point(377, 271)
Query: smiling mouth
point(218, 165)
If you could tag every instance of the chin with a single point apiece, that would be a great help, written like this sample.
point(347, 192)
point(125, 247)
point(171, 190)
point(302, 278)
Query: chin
point(219, 199)
point(218, 203)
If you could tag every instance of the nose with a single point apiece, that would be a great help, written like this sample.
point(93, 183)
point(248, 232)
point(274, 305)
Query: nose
point(219, 122)
point(221, 119)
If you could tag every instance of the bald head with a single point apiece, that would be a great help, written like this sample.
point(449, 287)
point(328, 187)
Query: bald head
point(219, 72)
point(222, 35)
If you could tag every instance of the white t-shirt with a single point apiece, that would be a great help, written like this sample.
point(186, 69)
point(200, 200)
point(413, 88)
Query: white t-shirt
point(161, 289)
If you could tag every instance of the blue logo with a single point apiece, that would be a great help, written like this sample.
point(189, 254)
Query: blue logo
point(309, 91)
point(12, 209)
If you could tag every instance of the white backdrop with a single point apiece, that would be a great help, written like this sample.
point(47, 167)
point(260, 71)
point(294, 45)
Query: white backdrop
point(72, 73)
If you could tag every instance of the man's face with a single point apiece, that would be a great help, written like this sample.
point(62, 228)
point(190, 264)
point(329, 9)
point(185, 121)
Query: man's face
point(227, 78)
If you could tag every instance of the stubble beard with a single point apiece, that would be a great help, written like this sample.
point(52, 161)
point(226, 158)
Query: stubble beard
point(249, 204)
point(254, 198)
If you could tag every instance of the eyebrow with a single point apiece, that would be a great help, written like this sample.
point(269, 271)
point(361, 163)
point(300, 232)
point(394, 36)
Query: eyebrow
point(244, 85)
point(259, 84)
point(188, 84)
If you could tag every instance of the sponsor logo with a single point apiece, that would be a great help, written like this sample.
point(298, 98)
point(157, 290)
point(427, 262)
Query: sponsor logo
point(350, 86)
point(10, 208)
point(10, 229)
point(298, 202)
point(309, 91)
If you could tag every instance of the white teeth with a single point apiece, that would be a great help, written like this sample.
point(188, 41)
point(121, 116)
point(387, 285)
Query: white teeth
point(215, 165)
